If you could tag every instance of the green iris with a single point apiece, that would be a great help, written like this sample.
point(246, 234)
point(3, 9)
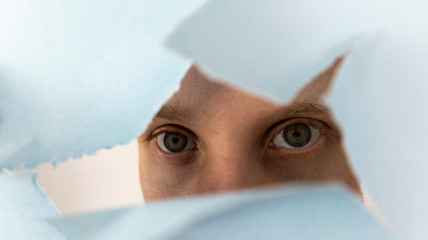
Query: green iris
point(297, 135)
point(175, 141)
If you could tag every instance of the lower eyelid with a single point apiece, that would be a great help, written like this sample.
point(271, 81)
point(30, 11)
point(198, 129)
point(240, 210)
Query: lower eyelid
point(175, 159)
point(280, 156)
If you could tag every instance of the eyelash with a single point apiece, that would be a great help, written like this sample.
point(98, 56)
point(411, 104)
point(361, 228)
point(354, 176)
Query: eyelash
point(170, 128)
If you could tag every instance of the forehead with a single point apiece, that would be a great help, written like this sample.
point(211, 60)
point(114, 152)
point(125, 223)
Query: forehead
point(197, 91)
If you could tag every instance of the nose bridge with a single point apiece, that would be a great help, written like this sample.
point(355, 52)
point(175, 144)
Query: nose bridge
point(230, 170)
point(232, 154)
point(232, 165)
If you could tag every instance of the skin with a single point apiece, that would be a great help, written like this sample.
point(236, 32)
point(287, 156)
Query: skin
point(236, 141)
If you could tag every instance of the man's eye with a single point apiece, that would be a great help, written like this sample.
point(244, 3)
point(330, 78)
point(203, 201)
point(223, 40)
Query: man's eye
point(298, 135)
point(175, 142)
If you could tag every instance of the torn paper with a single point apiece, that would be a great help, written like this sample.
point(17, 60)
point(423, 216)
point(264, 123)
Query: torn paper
point(77, 76)
point(271, 47)
point(323, 212)
point(71, 82)
point(380, 100)
point(24, 209)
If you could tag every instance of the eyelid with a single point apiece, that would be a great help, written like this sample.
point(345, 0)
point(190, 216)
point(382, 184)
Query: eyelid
point(171, 128)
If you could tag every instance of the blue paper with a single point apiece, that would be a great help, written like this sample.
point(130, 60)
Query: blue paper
point(323, 212)
point(24, 209)
point(380, 100)
point(272, 48)
point(78, 76)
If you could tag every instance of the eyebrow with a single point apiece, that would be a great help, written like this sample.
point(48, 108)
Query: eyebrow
point(170, 113)
point(308, 106)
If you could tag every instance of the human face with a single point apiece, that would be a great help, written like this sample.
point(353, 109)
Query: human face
point(210, 137)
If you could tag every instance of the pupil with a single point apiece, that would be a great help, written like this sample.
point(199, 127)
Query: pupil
point(175, 141)
point(297, 135)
